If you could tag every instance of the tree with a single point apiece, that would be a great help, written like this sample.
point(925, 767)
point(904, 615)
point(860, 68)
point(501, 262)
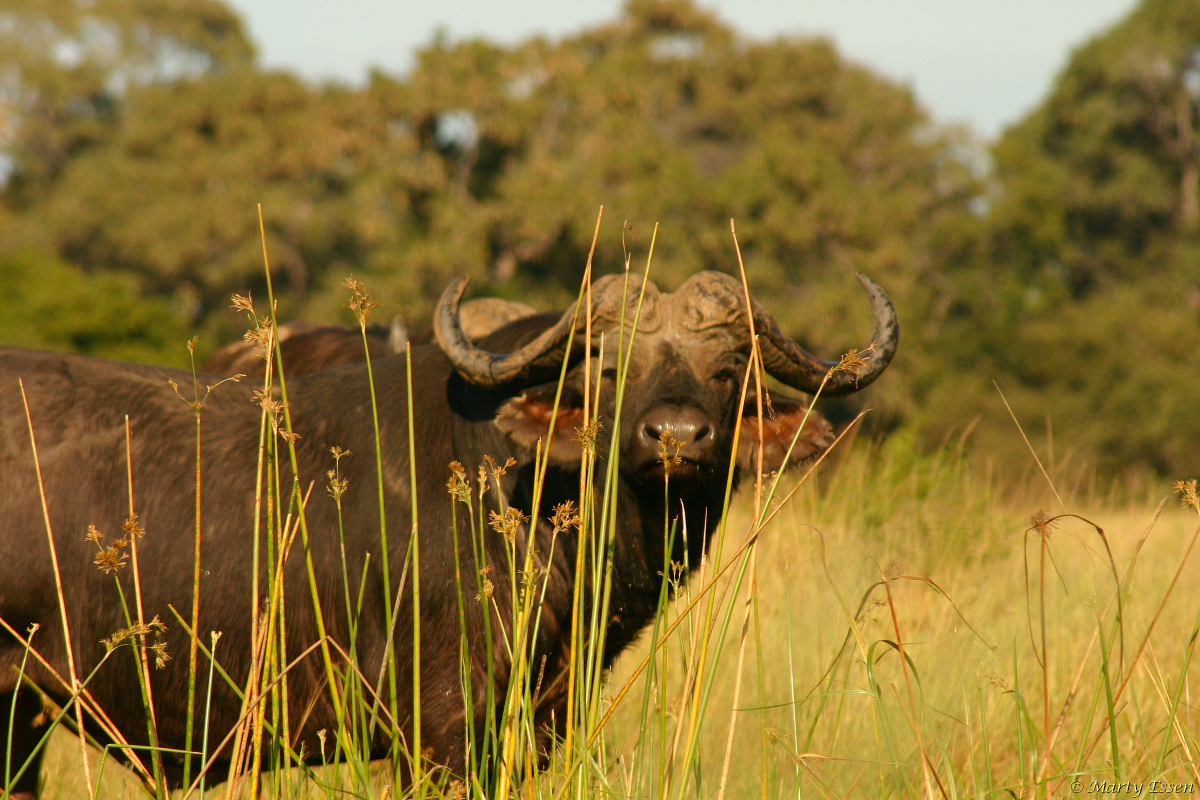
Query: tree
point(1102, 181)
point(56, 306)
point(171, 197)
point(1082, 298)
point(70, 65)
point(494, 160)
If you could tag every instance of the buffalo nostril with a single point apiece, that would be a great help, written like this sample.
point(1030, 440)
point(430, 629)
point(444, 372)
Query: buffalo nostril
point(658, 431)
point(679, 426)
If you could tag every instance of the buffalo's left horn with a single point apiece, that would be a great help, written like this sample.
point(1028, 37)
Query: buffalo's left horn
point(795, 366)
point(479, 366)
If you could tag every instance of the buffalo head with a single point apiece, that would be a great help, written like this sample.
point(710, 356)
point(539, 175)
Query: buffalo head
point(686, 365)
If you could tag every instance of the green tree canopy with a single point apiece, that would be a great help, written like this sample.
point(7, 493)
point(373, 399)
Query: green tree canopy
point(68, 65)
point(54, 305)
point(493, 160)
point(1083, 296)
point(1102, 181)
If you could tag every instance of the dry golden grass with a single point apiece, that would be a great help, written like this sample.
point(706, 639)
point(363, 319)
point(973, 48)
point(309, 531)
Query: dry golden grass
point(976, 704)
point(903, 626)
point(976, 684)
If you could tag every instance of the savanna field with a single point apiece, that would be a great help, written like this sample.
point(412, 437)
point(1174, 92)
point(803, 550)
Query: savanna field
point(986, 588)
point(974, 575)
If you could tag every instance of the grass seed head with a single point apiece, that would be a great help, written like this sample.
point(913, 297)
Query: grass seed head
point(262, 336)
point(457, 484)
point(263, 398)
point(1043, 523)
point(132, 527)
point(665, 457)
point(360, 301)
point(587, 436)
point(564, 517)
point(499, 469)
point(154, 627)
point(1188, 496)
point(122, 634)
point(488, 586)
point(509, 523)
point(854, 362)
point(337, 486)
point(529, 577)
point(110, 559)
point(243, 303)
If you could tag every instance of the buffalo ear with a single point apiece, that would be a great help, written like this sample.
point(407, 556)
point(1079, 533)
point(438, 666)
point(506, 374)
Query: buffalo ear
point(526, 419)
point(778, 431)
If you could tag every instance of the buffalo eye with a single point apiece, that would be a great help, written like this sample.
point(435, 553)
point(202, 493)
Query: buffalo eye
point(609, 373)
point(726, 377)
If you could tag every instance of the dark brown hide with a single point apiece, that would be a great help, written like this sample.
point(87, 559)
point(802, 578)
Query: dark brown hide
point(305, 347)
point(308, 347)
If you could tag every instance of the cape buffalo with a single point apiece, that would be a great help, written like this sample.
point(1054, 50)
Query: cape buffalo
point(470, 400)
point(307, 347)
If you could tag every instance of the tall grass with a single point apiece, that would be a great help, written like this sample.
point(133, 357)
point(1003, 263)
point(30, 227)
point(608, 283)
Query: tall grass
point(889, 624)
point(886, 542)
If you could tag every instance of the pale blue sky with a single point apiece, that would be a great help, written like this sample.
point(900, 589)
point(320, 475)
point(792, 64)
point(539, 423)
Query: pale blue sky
point(984, 62)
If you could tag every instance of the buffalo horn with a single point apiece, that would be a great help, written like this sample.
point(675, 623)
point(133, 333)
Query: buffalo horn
point(795, 366)
point(483, 368)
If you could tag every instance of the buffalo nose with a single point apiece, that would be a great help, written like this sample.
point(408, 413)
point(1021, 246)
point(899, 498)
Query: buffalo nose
point(688, 426)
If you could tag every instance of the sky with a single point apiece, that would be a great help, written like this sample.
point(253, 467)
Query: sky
point(982, 62)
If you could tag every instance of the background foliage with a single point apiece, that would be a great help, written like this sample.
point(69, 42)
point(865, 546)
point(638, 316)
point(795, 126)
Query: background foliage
point(1064, 265)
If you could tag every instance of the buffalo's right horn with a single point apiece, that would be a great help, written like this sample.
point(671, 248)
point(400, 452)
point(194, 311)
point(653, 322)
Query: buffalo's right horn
point(495, 369)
